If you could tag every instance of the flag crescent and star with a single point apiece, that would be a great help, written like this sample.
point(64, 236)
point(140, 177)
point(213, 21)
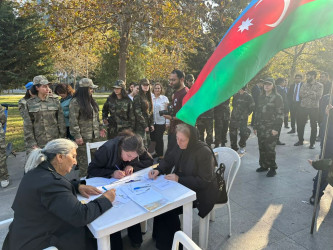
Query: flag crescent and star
point(264, 28)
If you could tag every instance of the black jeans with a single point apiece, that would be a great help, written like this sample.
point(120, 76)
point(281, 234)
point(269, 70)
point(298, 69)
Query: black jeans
point(303, 114)
point(134, 233)
point(293, 114)
point(157, 136)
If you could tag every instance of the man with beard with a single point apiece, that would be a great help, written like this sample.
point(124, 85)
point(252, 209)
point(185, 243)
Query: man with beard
point(176, 80)
point(310, 94)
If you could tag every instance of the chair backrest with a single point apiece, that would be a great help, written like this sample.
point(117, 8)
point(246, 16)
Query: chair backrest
point(181, 237)
point(93, 145)
point(232, 162)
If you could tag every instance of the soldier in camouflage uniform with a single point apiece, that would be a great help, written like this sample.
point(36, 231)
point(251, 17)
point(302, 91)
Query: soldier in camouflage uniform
point(43, 117)
point(222, 118)
point(117, 111)
point(3, 166)
point(205, 122)
point(243, 106)
point(268, 120)
point(143, 111)
point(84, 122)
point(23, 102)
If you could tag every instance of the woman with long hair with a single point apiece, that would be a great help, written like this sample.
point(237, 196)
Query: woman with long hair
point(143, 111)
point(22, 104)
point(46, 209)
point(84, 122)
point(66, 92)
point(43, 119)
point(268, 121)
point(160, 102)
point(117, 111)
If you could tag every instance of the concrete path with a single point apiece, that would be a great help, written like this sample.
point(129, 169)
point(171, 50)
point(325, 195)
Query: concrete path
point(267, 213)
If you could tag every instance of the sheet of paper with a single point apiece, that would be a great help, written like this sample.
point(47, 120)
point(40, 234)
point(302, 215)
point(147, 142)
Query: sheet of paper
point(99, 181)
point(163, 184)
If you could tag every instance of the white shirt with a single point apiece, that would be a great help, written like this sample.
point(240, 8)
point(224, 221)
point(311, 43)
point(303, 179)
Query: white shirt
point(160, 103)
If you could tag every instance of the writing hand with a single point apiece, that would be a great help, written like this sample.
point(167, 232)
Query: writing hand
point(86, 190)
point(110, 195)
point(172, 177)
point(153, 174)
point(128, 170)
point(118, 174)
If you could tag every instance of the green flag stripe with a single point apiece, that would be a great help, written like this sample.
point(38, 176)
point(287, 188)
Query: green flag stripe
point(308, 22)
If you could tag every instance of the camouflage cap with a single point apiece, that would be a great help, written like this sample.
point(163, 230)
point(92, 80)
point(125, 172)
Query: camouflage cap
point(119, 84)
point(44, 82)
point(86, 82)
point(269, 80)
point(38, 79)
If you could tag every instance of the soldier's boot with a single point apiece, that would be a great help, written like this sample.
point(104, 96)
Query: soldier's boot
point(271, 172)
point(261, 169)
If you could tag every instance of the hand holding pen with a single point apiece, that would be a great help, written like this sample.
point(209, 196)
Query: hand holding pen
point(118, 174)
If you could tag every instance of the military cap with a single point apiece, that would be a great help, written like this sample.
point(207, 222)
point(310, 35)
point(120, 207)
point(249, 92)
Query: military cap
point(29, 85)
point(86, 82)
point(44, 82)
point(38, 79)
point(119, 84)
point(269, 80)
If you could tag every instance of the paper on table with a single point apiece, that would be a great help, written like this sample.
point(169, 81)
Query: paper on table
point(163, 183)
point(99, 181)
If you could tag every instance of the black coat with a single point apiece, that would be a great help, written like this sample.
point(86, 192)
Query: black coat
point(47, 212)
point(107, 157)
point(195, 167)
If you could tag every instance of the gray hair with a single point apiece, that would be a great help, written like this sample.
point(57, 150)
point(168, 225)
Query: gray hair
point(51, 149)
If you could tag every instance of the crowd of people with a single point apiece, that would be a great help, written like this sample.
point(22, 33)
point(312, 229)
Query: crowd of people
point(134, 121)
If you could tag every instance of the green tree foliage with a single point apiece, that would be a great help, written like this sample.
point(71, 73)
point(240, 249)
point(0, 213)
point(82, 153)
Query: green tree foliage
point(22, 50)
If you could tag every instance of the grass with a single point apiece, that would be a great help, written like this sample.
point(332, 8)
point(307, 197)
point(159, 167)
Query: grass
point(14, 131)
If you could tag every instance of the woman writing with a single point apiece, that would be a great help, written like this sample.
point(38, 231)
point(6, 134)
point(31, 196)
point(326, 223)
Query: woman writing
point(160, 102)
point(118, 158)
point(84, 122)
point(66, 92)
point(46, 210)
point(194, 168)
point(269, 117)
point(43, 119)
point(143, 111)
point(117, 111)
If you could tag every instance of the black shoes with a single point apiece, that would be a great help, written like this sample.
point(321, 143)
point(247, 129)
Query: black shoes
point(261, 169)
point(286, 126)
point(280, 143)
point(312, 146)
point(299, 143)
point(271, 173)
point(312, 200)
point(292, 131)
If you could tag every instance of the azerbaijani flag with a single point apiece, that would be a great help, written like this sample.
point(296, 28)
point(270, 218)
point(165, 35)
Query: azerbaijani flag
point(264, 28)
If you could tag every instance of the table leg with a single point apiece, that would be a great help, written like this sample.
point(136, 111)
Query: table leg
point(103, 243)
point(187, 219)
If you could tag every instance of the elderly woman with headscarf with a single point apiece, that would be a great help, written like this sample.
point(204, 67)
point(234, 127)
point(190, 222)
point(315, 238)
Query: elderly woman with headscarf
point(46, 210)
point(194, 168)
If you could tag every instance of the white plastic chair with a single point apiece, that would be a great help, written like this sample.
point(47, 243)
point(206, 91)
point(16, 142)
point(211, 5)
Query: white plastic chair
point(91, 146)
point(232, 162)
point(181, 237)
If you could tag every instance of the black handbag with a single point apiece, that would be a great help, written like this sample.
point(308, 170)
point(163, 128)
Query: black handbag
point(222, 187)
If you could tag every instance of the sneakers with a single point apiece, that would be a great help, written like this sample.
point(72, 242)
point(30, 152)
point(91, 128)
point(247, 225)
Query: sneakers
point(312, 146)
point(292, 131)
point(280, 143)
point(299, 143)
point(271, 173)
point(261, 169)
point(241, 151)
point(4, 183)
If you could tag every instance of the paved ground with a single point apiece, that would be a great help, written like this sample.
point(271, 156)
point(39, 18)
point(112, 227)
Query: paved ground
point(267, 213)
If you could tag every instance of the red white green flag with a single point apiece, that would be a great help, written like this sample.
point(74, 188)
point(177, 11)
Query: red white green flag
point(264, 28)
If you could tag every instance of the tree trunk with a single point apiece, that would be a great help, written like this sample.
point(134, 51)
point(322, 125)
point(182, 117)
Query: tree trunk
point(123, 46)
point(296, 56)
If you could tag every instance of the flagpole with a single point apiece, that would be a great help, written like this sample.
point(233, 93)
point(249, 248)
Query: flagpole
point(320, 172)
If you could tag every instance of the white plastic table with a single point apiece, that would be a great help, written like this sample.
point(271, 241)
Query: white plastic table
point(129, 214)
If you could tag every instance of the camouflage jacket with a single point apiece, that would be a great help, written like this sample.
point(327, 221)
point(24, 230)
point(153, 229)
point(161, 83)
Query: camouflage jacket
point(143, 114)
point(80, 127)
point(310, 94)
point(44, 121)
point(269, 112)
point(3, 120)
point(119, 113)
point(243, 106)
point(22, 105)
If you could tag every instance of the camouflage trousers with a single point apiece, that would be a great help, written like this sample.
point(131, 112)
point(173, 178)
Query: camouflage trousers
point(205, 124)
point(145, 137)
point(267, 144)
point(244, 133)
point(3, 166)
point(82, 160)
point(221, 126)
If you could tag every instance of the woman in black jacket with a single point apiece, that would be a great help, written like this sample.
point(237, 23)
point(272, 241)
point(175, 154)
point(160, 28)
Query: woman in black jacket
point(117, 158)
point(194, 168)
point(46, 210)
